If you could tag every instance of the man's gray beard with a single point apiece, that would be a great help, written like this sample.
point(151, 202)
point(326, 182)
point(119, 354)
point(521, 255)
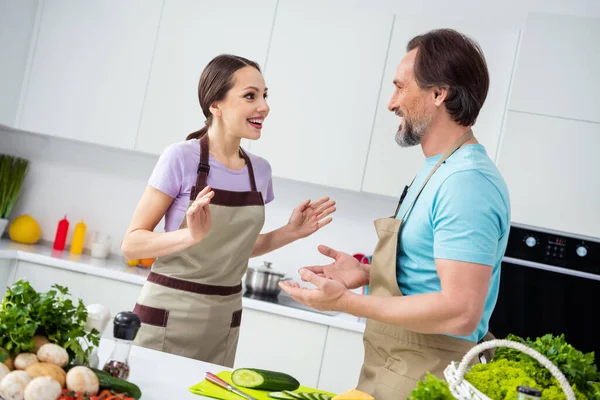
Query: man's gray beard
point(409, 135)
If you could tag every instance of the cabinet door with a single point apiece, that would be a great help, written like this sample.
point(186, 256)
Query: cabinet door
point(557, 67)
point(42, 277)
point(116, 295)
point(191, 33)
point(90, 70)
point(550, 166)
point(342, 360)
point(16, 27)
point(324, 71)
point(7, 267)
point(277, 343)
point(390, 167)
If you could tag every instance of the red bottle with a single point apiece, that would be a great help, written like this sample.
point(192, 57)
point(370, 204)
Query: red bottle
point(61, 234)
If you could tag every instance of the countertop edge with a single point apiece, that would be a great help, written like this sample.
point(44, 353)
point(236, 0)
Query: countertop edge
point(112, 270)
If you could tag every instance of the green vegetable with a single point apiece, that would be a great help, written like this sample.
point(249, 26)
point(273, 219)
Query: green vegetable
point(117, 385)
point(25, 313)
point(114, 384)
point(578, 368)
point(280, 396)
point(500, 379)
point(431, 388)
point(263, 380)
point(13, 171)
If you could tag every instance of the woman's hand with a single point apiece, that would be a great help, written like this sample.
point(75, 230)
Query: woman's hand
point(309, 217)
point(198, 215)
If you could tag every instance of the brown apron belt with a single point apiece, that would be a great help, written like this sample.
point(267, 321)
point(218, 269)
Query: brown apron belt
point(204, 169)
point(193, 287)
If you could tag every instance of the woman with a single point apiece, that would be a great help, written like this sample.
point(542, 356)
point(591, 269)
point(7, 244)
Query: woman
point(212, 194)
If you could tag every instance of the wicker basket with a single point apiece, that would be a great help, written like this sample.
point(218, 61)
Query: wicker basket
point(463, 390)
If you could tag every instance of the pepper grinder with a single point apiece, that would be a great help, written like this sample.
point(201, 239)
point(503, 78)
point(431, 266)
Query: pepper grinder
point(125, 327)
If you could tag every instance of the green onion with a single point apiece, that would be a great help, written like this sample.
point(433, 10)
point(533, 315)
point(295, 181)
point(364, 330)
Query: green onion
point(13, 171)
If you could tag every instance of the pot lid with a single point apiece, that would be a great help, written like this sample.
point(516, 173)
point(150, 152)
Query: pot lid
point(266, 268)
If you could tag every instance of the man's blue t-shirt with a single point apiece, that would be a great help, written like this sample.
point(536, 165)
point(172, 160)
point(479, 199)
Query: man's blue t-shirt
point(462, 214)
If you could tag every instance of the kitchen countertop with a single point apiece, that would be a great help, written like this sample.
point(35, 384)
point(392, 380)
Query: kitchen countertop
point(115, 268)
point(159, 375)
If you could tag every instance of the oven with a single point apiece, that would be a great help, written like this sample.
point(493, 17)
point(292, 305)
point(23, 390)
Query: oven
point(550, 283)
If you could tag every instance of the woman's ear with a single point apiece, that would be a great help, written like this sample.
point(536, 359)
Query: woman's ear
point(215, 109)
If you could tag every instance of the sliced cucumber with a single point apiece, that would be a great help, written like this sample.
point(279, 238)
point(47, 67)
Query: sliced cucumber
point(261, 379)
point(279, 396)
point(294, 395)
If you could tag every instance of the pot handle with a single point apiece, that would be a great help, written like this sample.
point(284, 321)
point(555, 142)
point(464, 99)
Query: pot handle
point(285, 279)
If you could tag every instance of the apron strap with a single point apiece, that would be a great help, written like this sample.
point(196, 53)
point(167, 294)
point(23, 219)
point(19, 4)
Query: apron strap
point(462, 140)
point(250, 170)
point(204, 168)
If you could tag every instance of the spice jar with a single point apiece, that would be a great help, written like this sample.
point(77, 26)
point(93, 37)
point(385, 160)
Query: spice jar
point(126, 325)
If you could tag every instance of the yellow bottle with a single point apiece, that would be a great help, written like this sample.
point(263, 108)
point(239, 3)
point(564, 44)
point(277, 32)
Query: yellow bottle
point(78, 238)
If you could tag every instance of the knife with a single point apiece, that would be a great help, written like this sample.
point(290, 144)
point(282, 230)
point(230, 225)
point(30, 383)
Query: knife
point(220, 382)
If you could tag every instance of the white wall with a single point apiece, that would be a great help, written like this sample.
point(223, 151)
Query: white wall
point(102, 186)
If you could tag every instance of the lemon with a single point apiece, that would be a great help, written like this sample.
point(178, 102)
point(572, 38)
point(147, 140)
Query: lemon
point(25, 229)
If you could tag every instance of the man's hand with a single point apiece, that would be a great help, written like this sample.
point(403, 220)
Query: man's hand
point(345, 269)
point(329, 295)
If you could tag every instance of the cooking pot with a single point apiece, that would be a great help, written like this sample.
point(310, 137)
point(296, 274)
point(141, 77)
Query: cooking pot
point(264, 280)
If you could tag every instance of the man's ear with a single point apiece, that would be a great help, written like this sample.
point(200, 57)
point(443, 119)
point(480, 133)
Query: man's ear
point(215, 109)
point(439, 95)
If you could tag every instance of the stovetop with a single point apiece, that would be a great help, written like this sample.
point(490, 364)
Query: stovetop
point(284, 300)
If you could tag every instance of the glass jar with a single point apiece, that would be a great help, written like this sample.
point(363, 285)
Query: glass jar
point(126, 326)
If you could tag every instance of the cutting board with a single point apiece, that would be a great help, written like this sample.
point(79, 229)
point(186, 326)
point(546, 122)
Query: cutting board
point(206, 388)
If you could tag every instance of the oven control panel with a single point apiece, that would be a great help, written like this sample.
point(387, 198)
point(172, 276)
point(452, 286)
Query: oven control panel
point(555, 249)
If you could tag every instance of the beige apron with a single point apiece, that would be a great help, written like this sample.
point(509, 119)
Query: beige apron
point(396, 358)
point(191, 303)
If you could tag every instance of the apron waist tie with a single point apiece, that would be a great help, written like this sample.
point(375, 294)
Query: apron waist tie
point(193, 287)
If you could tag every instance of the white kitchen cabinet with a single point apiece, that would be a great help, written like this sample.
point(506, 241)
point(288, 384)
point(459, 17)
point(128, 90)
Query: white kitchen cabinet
point(342, 360)
point(550, 166)
point(277, 343)
point(90, 70)
point(7, 267)
point(557, 67)
point(390, 167)
point(116, 295)
point(323, 71)
point(17, 20)
point(191, 33)
point(42, 277)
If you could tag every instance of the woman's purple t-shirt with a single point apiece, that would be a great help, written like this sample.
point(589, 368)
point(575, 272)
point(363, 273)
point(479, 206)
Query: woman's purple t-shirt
point(176, 170)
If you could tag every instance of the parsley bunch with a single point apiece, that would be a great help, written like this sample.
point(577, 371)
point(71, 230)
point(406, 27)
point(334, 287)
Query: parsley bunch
point(431, 388)
point(24, 313)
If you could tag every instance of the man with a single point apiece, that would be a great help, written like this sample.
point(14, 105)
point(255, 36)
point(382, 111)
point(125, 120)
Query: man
point(435, 271)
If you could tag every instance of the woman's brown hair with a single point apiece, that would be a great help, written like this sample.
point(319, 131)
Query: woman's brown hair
point(216, 80)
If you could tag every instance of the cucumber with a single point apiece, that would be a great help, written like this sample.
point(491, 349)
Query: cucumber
point(117, 385)
point(114, 384)
point(261, 379)
point(279, 396)
point(294, 395)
